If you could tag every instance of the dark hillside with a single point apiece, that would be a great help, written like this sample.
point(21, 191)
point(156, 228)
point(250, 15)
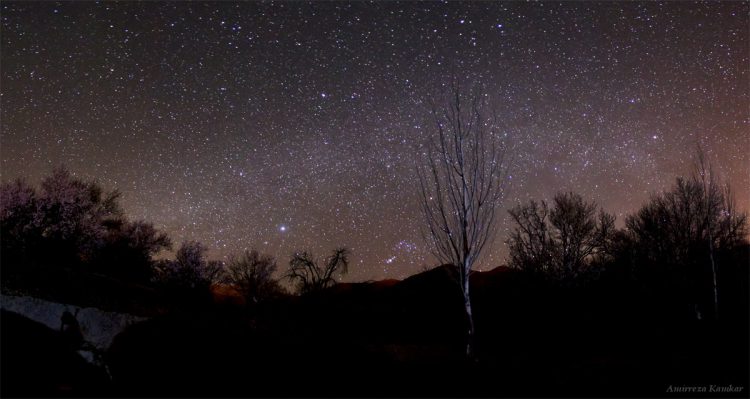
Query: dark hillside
point(405, 338)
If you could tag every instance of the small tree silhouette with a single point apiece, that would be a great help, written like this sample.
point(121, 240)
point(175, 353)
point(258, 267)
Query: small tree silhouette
point(309, 276)
point(252, 274)
point(129, 249)
point(190, 276)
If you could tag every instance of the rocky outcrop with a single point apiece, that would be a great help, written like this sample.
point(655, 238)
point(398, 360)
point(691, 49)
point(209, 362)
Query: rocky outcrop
point(98, 327)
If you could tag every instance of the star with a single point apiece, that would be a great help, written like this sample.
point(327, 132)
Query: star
point(224, 123)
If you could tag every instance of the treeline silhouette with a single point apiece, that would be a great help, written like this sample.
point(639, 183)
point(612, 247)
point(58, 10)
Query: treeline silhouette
point(582, 308)
point(68, 230)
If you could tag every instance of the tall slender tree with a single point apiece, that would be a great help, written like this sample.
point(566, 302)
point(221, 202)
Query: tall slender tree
point(462, 182)
point(712, 201)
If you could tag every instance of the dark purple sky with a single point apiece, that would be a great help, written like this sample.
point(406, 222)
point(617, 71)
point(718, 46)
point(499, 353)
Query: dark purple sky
point(291, 125)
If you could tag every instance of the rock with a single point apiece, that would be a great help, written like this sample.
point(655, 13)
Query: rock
point(39, 362)
point(98, 327)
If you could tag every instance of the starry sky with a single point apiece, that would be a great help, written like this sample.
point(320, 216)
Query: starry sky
point(293, 125)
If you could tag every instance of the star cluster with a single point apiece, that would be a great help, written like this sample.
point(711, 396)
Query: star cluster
point(290, 125)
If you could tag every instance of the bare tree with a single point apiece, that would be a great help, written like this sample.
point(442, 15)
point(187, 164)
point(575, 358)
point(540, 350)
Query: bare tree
point(65, 222)
point(711, 201)
point(190, 270)
point(462, 183)
point(562, 241)
point(723, 224)
point(733, 222)
point(130, 248)
point(71, 213)
point(18, 208)
point(682, 230)
point(252, 275)
point(74, 225)
point(309, 276)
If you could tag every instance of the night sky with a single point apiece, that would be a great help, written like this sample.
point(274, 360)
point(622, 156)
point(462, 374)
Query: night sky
point(293, 125)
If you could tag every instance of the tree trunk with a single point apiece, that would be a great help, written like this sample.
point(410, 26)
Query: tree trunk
point(713, 273)
point(470, 350)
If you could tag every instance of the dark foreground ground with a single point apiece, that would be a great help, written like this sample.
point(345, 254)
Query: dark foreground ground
point(406, 339)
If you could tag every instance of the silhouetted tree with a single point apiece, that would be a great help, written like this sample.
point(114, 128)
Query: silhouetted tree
point(712, 202)
point(71, 214)
point(72, 222)
point(677, 233)
point(18, 227)
point(732, 225)
point(190, 275)
point(130, 248)
point(62, 224)
point(311, 276)
point(252, 274)
point(560, 242)
point(462, 183)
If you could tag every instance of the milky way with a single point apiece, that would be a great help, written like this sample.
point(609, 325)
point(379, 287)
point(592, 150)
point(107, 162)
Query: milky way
point(284, 126)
